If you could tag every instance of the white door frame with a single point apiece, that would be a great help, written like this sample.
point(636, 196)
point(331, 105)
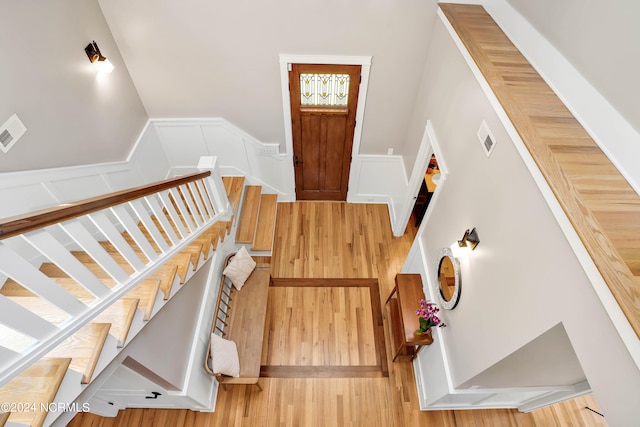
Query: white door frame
point(286, 59)
point(428, 146)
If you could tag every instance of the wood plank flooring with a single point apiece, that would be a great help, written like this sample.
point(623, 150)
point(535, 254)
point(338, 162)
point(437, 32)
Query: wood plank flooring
point(309, 238)
point(319, 328)
point(601, 205)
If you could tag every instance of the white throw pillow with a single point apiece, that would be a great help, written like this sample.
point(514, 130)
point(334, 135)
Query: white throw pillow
point(224, 356)
point(240, 268)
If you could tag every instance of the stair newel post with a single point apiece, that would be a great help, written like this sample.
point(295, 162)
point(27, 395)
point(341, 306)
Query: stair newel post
point(214, 184)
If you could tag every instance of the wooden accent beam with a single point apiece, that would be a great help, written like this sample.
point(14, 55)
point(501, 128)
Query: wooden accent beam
point(31, 221)
point(600, 204)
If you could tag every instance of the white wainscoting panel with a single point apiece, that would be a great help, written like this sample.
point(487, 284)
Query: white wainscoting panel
point(379, 179)
point(73, 189)
point(183, 144)
point(227, 146)
point(184, 141)
point(24, 198)
point(127, 178)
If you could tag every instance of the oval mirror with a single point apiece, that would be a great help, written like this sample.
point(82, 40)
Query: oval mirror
point(448, 279)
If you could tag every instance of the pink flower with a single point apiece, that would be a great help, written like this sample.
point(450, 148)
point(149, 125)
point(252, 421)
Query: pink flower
point(427, 314)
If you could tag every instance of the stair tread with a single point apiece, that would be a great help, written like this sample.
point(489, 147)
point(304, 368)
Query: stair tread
point(166, 274)
point(194, 250)
point(146, 292)
point(119, 314)
point(182, 260)
point(84, 348)
point(248, 214)
point(4, 416)
point(221, 229)
point(263, 240)
point(233, 186)
point(39, 383)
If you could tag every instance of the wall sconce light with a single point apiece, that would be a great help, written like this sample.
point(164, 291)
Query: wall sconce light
point(103, 65)
point(469, 240)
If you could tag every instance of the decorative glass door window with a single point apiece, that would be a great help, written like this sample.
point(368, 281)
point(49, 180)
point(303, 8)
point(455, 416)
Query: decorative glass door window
point(330, 90)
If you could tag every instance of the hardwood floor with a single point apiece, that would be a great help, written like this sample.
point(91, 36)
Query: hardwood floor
point(331, 240)
point(320, 328)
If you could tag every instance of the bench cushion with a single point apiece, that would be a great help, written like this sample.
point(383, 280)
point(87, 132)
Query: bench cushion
point(224, 357)
point(240, 268)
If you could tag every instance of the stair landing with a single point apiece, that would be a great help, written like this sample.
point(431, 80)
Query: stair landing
point(256, 223)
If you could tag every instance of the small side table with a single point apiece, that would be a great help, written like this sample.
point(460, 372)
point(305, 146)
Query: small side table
point(403, 302)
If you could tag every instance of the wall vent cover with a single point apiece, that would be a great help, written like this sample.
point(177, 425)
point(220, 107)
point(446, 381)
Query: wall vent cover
point(486, 138)
point(10, 133)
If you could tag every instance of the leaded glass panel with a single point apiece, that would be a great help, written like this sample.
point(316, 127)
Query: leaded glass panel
point(324, 89)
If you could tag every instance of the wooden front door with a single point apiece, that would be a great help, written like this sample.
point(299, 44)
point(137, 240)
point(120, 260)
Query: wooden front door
point(323, 113)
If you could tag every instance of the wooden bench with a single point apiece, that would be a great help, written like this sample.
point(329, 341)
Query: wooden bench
point(240, 316)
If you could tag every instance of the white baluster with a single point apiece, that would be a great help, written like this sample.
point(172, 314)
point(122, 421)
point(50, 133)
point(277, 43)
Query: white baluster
point(7, 355)
point(24, 321)
point(197, 197)
point(140, 209)
point(104, 224)
point(192, 207)
point(91, 246)
point(14, 266)
point(43, 241)
point(131, 227)
point(160, 215)
point(175, 217)
point(175, 194)
point(206, 200)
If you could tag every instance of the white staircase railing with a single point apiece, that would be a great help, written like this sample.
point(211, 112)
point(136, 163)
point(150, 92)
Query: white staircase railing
point(178, 208)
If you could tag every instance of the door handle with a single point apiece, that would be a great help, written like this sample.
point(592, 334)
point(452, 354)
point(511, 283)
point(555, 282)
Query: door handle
point(297, 162)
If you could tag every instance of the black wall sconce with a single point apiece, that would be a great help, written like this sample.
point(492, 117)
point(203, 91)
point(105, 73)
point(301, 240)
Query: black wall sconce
point(101, 62)
point(470, 239)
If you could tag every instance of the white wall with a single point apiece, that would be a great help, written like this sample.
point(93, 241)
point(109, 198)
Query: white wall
point(599, 39)
point(379, 179)
point(72, 117)
point(523, 279)
point(221, 59)
point(170, 333)
point(548, 360)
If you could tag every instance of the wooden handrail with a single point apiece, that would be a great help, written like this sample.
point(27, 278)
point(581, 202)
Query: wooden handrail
point(32, 221)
